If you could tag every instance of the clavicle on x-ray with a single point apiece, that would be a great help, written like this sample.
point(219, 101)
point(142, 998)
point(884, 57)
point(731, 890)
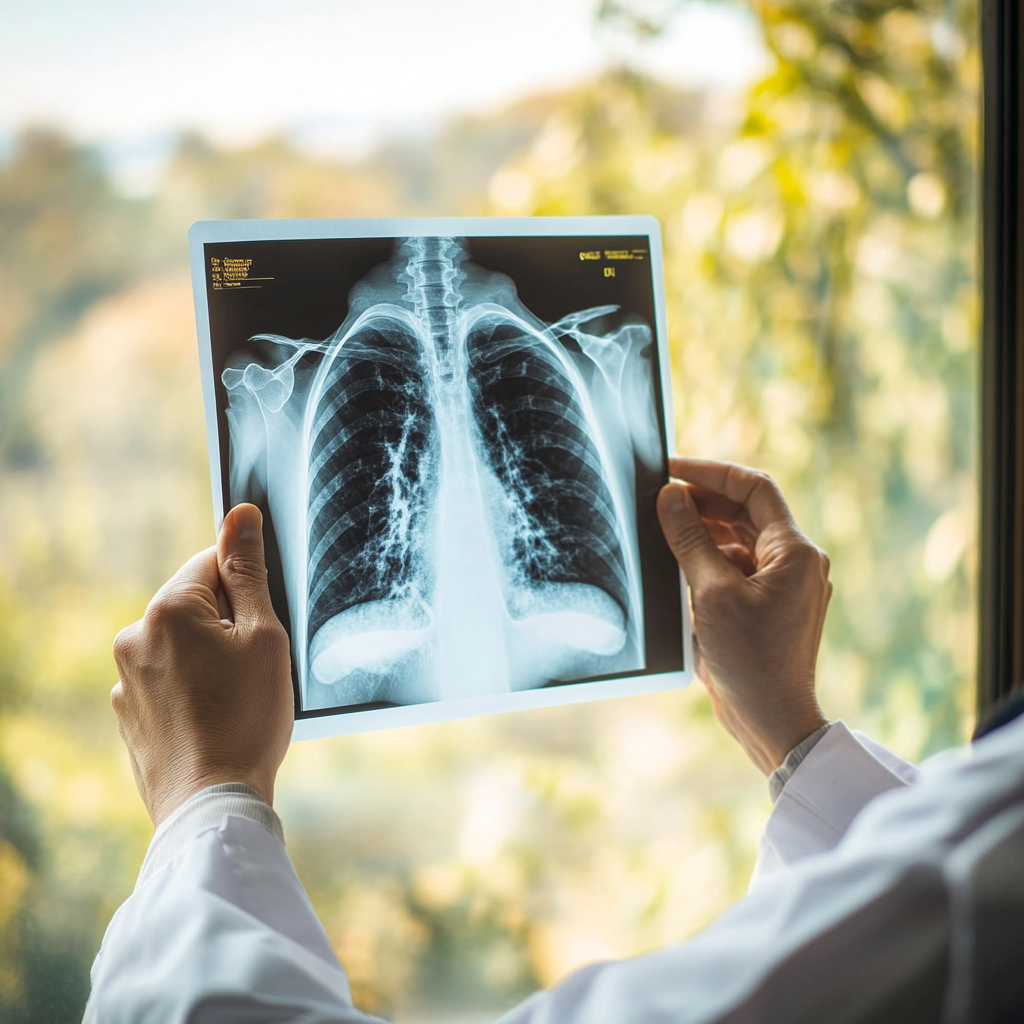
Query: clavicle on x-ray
point(452, 481)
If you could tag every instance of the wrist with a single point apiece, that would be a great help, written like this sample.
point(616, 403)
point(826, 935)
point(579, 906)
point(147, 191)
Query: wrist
point(164, 801)
point(778, 778)
point(209, 808)
point(793, 731)
point(768, 734)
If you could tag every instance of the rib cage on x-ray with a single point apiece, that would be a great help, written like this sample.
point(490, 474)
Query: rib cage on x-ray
point(451, 482)
point(371, 474)
point(563, 525)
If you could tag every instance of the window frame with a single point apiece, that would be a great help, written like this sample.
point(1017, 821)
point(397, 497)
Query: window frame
point(1001, 519)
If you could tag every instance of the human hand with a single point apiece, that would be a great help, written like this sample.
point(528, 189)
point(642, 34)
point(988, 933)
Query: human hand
point(205, 692)
point(760, 590)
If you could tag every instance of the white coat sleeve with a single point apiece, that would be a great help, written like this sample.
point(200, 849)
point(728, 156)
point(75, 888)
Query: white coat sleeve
point(838, 778)
point(222, 931)
point(218, 928)
point(916, 915)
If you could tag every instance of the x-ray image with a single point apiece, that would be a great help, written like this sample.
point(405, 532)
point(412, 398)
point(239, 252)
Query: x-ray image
point(458, 475)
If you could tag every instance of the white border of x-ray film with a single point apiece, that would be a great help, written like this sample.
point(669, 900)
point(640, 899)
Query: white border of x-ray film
point(339, 723)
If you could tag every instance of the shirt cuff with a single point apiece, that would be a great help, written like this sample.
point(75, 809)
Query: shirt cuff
point(778, 778)
point(209, 808)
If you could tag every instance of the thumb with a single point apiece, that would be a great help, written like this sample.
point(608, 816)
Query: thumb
point(695, 551)
point(240, 560)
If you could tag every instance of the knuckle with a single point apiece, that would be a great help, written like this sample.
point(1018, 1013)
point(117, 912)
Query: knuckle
point(806, 556)
point(121, 700)
point(273, 636)
point(263, 632)
point(266, 629)
point(162, 611)
point(123, 641)
point(245, 567)
point(125, 645)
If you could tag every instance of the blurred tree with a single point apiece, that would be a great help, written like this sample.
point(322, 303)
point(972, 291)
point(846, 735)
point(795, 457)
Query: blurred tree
point(43, 969)
point(820, 278)
point(66, 240)
point(826, 248)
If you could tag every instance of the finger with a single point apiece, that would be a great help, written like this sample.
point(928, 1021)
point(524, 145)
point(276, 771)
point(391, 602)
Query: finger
point(748, 487)
point(198, 576)
point(732, 545)
point(688, 537)
point(731, 533)
point(727, 490)
point(243, 569)
point(721, 533)
point(713, 505)
point(740, 556)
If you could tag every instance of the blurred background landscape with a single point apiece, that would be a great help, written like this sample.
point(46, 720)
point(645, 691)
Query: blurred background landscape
point(813, 166)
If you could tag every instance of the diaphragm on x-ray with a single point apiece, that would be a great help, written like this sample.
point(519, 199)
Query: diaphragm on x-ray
point(457, 475)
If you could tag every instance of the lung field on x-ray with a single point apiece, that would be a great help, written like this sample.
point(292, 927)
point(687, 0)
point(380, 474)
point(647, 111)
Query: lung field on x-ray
point(451, 481)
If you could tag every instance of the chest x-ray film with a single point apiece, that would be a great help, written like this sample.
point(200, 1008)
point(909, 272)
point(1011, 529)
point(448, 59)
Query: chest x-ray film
point(456, 431)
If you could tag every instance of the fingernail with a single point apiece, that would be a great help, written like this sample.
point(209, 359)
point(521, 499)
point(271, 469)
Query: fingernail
point(675, 499)
point(248, 523)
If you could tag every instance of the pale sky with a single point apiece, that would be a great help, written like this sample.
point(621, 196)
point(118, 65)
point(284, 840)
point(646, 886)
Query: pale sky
point(333, 75)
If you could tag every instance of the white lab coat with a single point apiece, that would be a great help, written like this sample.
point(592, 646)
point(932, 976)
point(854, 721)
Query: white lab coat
point(912, 912)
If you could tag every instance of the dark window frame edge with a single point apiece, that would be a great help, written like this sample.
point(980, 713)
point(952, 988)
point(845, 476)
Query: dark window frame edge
point(1000, 664)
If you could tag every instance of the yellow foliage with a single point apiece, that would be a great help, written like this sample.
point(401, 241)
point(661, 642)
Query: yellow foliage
point(14, 878)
